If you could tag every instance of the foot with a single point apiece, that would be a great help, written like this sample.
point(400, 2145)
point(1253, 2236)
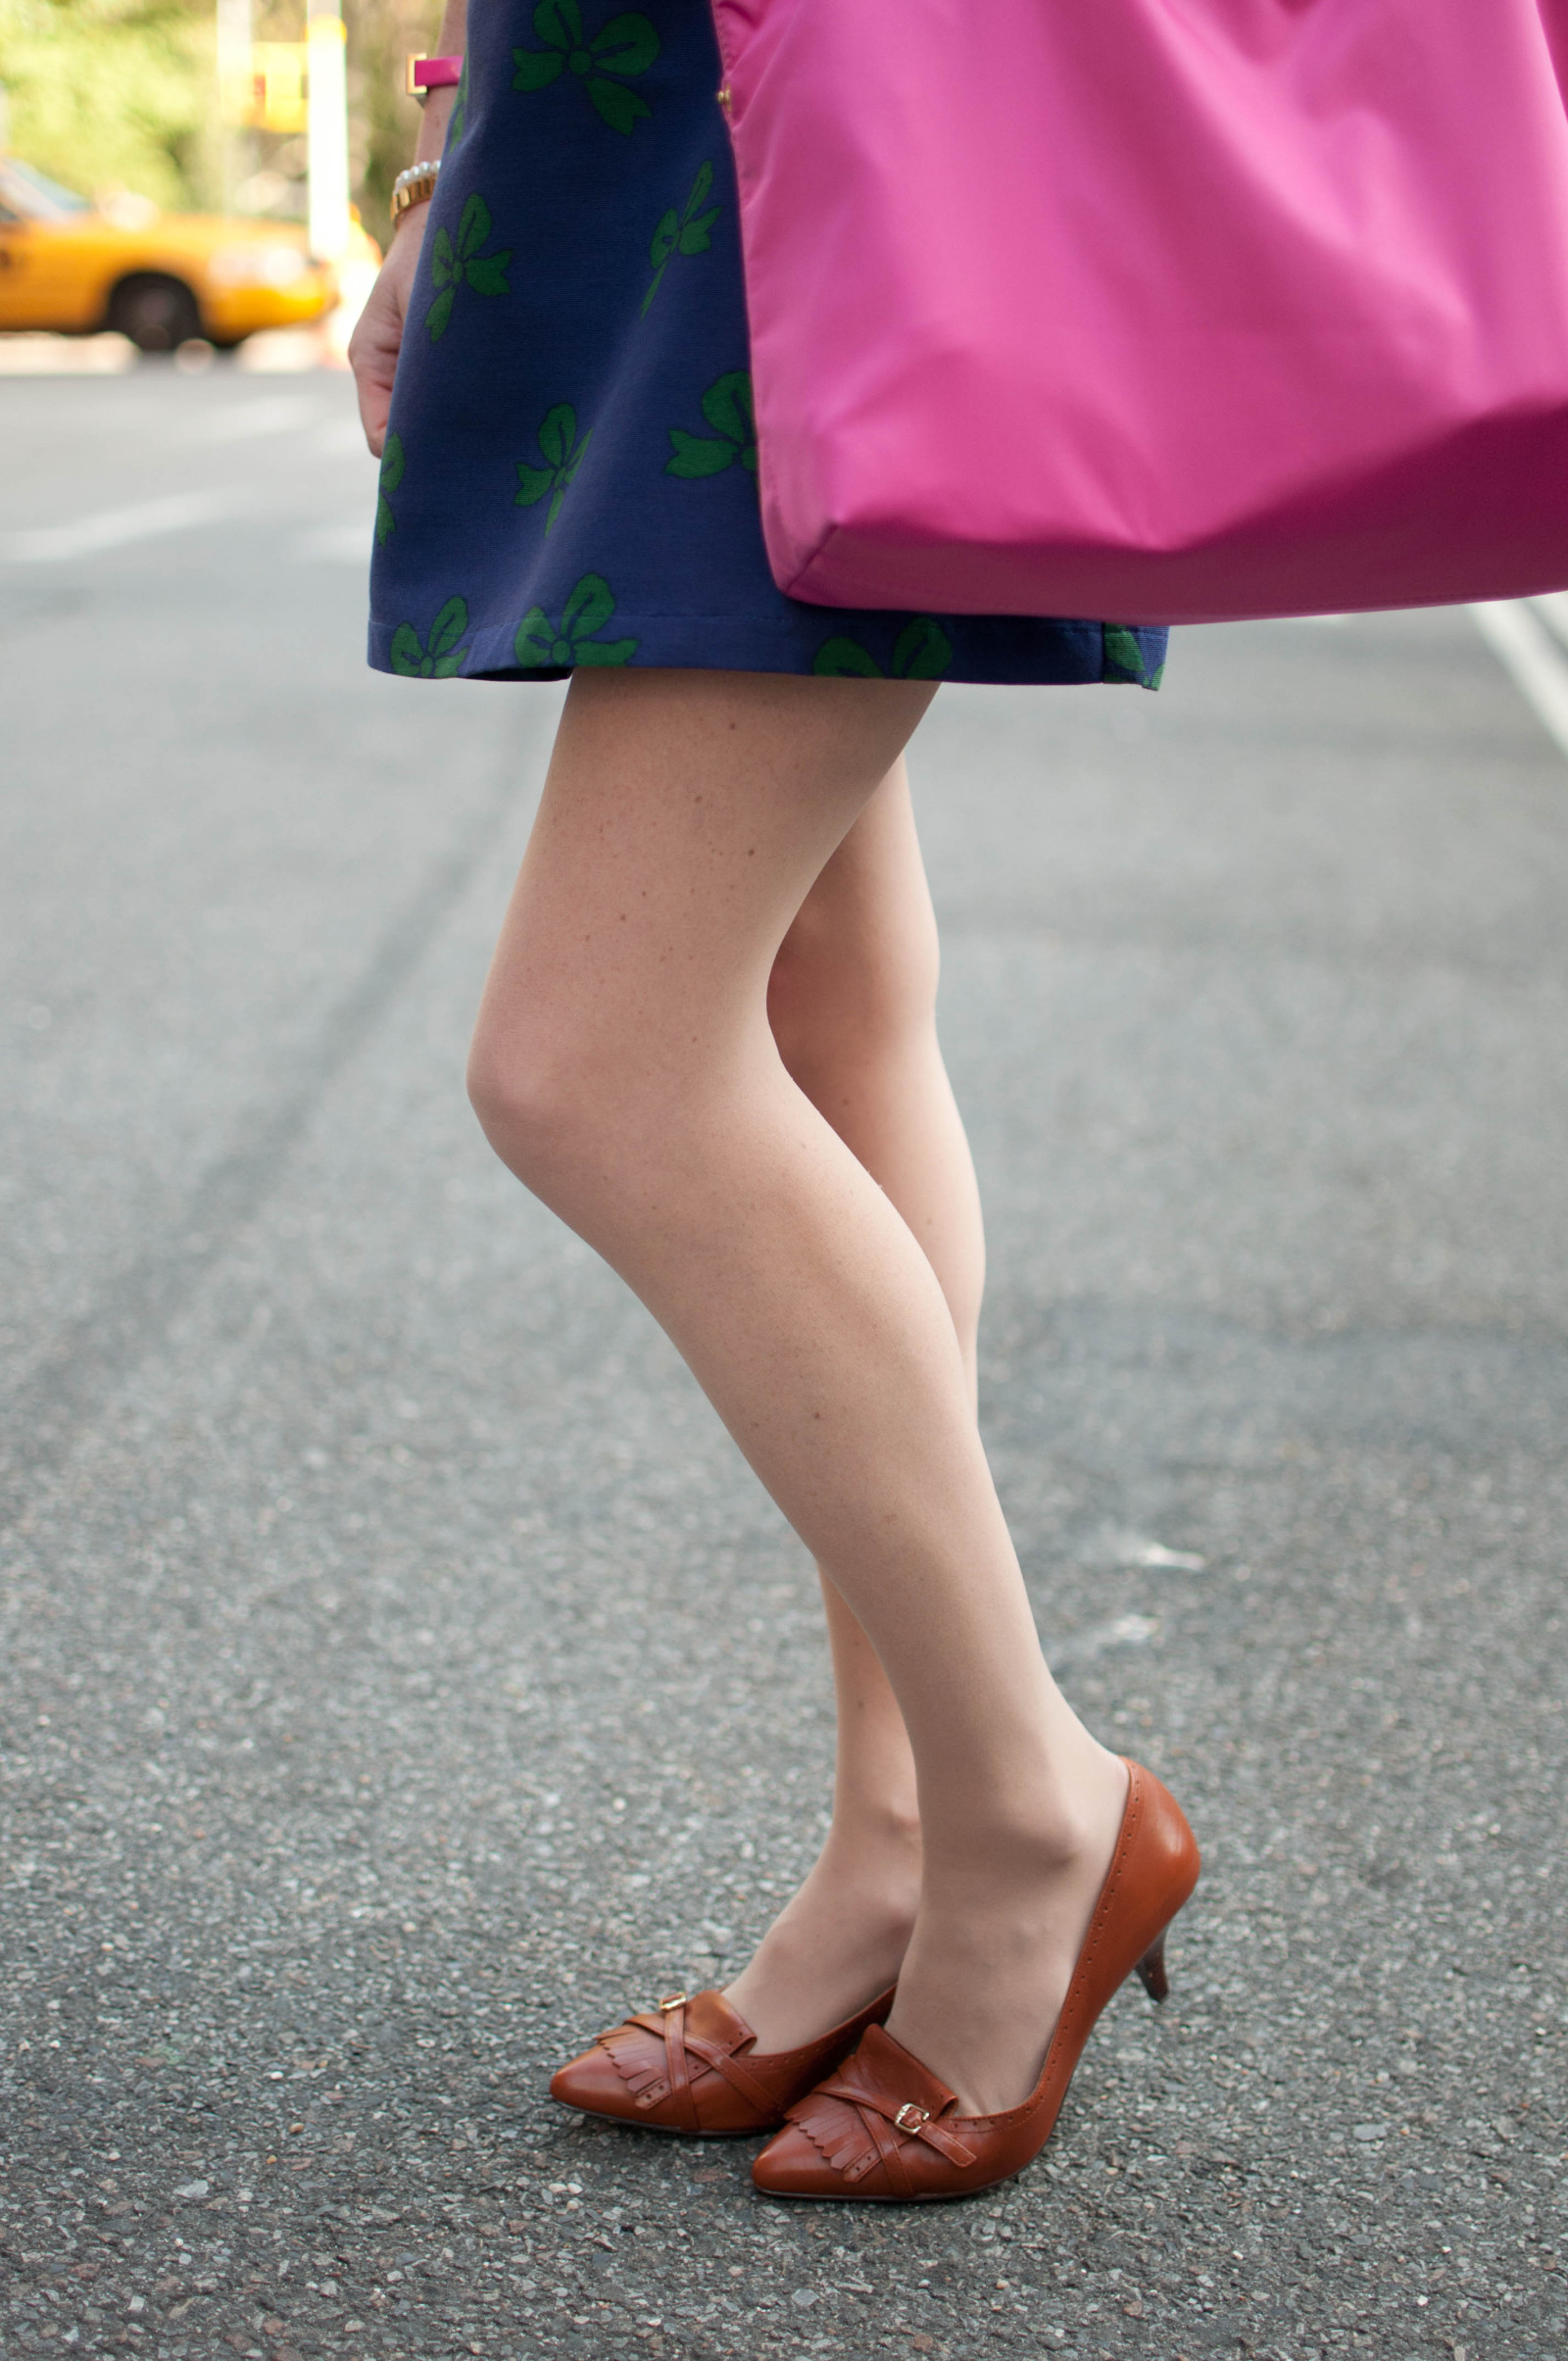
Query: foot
point(994, 1947)
point(837, 1942)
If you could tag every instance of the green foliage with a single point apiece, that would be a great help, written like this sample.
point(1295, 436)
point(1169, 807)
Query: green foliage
point(563, 455)
point(623, 48)
point(109, 94)
point(383, 119)
point(542, 645)
point(443, 657)
point(727, 407)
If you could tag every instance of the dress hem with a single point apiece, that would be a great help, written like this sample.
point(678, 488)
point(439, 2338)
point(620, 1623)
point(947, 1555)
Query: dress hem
point(708, 643)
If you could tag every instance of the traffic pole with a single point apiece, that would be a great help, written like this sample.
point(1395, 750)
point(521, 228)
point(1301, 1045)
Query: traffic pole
point(327, 131)
point(235, 36)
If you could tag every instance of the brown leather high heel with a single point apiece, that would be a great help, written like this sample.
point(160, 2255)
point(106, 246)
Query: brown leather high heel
point(883, 2130)
point(692, 2065)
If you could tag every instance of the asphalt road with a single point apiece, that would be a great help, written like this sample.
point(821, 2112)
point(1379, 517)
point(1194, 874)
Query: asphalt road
point(404, 1677)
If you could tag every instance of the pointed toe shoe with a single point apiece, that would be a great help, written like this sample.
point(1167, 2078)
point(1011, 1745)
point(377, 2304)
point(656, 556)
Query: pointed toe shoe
point(880, 2129)
point(692, 2065)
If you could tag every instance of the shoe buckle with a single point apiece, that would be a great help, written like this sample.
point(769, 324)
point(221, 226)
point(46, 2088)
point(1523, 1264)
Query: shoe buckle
point(671, 2000)
point(910, 2117)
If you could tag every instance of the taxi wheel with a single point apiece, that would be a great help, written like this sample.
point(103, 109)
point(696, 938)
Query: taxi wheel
point(157, 313)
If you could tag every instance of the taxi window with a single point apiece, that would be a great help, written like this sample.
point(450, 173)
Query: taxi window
point(25, 191)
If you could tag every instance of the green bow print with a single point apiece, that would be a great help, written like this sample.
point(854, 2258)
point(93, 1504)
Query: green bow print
point(451, 267)
point(922, 651)
point(727, 407)
point(564, 456)
point(443, 656)
point(626, 46)
point(540, 643)
point(688, 232)
point(388, 480)
point(1125, 659)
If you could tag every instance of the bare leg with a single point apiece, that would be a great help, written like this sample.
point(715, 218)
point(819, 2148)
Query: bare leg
point(852, 1001)
point(624, 1068)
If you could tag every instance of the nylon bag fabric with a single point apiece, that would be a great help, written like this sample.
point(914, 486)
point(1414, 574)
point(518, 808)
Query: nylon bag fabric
point(1177, 311)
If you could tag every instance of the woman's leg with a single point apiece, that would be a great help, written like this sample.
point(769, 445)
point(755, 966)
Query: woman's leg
point(852, 1001)
point(623, 1066)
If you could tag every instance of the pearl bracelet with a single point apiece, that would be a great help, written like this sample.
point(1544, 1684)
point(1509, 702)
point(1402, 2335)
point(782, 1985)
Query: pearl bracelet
point(414, 186)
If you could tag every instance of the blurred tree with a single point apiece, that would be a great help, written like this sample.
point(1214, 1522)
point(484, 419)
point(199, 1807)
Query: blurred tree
point(383, 119)
point(123, 94)
point(112, 93)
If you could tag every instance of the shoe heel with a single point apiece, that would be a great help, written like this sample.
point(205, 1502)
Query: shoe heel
point(1152, 1969)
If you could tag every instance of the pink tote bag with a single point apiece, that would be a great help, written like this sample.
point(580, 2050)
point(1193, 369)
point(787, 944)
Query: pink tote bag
point(1167, 310)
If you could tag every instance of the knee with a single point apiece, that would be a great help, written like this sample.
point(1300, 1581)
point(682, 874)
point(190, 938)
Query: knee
point(535, 1102)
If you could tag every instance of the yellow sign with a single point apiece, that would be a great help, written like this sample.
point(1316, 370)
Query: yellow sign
point(275, 95)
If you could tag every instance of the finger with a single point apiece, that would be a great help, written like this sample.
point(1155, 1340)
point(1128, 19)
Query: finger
point(373, 359)
point(377, 339)
point(375, 407)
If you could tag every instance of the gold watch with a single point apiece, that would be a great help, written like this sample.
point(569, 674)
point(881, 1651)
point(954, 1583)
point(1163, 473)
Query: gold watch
point(414, 186)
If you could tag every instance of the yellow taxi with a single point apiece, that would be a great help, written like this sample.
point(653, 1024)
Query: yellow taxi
point(160, 278)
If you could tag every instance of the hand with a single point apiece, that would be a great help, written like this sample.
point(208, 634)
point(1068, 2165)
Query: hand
point(377, 339)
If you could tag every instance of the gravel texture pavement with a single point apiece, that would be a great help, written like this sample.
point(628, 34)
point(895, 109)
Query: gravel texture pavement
point(403, 1676)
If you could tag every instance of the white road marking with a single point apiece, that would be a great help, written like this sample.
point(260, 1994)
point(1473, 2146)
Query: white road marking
point(1521, 640)
point(112, 528)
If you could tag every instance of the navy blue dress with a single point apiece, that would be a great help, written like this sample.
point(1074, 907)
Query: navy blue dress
point(571, 476)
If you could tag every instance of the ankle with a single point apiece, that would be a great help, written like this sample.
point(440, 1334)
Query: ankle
point(838, 1941)
point(1026, 1842)
point(860, 1881)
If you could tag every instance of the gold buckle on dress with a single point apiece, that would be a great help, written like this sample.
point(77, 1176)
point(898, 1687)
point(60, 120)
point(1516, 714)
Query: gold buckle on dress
point(910, 2117)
